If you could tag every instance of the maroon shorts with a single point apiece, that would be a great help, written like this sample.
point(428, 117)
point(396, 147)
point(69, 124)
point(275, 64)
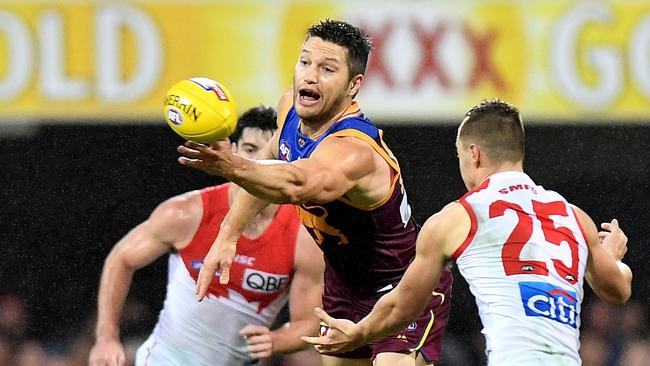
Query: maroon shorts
point(423, 336)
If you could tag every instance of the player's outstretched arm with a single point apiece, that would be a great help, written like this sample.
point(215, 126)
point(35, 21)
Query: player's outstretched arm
point(437, 240)
point(334, 168)
point(305, 295)
point(608, 276)
point(141, 246)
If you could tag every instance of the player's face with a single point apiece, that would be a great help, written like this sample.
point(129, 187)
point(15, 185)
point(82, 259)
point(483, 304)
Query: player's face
point(250, 143)
point(321, 81)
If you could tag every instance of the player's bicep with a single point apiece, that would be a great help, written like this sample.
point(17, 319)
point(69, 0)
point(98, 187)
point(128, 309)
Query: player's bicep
point(336, 167)
point(138, 248)
point(171, 225)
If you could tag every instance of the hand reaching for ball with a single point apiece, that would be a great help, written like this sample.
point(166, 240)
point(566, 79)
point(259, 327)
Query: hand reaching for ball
point(336, 335)
point(215, 159)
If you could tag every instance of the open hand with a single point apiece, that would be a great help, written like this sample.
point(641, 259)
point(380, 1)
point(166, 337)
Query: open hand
point(336, 335)
point(219, 258)
point(107, 353)
point(258, 337)
point(215, 159)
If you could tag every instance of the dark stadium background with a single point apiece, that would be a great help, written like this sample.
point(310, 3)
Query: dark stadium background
point(69, 192)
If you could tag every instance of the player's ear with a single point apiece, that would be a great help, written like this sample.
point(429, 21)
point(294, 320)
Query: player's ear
point(233, 147)
point(355, 85)
point(476, 154)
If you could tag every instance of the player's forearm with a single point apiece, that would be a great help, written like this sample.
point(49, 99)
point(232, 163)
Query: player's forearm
point(243, 210)
point(626, 285)
point(286, 339)
point(277, 182)
point(621, 288)
point(614, 286)
point(387, 317)
point(113, 290)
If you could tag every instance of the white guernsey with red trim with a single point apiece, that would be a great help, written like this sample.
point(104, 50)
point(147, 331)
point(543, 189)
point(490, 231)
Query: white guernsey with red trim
point(524, 260)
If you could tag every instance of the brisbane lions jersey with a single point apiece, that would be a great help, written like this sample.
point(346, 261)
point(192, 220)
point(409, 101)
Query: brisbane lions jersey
point(366, 248)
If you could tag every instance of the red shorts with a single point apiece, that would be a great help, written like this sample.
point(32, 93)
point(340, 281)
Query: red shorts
point(423, 336)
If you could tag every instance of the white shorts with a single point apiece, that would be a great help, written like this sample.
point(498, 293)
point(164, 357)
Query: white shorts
point(156, 353)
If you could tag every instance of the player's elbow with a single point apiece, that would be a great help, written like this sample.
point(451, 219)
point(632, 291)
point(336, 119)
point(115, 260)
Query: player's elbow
point(292, 194)
point(316, 189)
point(119, 260)
point(624, 286)
point(619, 293)
point(625, 291)
point(625, 295)
point(619, 297)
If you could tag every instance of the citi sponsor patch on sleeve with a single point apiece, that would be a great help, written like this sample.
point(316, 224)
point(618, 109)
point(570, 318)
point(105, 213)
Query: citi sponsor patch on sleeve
point(263, 282)
point(549, 301)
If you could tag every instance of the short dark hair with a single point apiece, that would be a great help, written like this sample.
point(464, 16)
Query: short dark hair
point(496, 126)
point(261, 117)
point(344, 34)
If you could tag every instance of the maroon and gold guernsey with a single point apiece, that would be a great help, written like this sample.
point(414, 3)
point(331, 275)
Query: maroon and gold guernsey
point(367, 248)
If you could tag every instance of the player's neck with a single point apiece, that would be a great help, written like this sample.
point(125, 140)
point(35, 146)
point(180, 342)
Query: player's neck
point(313, 128)
point(505, 167)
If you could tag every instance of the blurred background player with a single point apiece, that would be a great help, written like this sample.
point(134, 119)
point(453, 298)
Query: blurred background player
point(347, 186)
point(277, 261)
point(523, 250)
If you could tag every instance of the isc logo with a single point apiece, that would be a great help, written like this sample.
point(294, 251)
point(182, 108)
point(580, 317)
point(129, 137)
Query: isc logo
point(548, 301)
point(263, 282)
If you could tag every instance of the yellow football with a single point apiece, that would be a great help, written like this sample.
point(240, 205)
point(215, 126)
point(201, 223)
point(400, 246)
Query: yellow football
point(200, 109)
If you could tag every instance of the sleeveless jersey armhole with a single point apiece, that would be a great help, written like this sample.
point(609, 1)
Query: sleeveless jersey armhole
point(472, 230)
point(386, 155)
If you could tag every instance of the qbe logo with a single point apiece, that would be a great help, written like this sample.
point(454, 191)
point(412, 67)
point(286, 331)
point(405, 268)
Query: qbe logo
point(263, 282)
point(175, 116)
point(548, 301)
point(285, 151)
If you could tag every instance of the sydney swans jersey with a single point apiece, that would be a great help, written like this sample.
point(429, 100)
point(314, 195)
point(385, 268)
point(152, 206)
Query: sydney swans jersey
point(524, 260)
point(366, 249)
point(207, 333)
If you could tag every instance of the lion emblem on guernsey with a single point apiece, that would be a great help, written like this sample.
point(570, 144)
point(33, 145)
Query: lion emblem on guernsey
point(315, 220)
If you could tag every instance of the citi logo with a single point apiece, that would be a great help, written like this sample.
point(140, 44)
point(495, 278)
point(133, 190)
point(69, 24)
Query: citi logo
point(551, 302)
